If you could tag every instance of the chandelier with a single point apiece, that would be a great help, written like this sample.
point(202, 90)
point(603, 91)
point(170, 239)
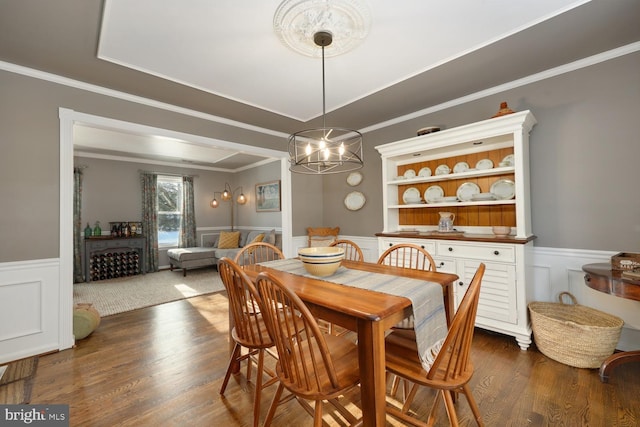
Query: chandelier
point(323, 150)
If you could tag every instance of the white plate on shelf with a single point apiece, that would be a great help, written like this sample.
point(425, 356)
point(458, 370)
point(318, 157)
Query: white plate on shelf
point(508, 160)
point(433, 193)
point(484, 164)
point(409, 173)
point(425, 171)
point(354, 200)
point(483, 197)
point(504, 189)
point(443, 170)
point(467, 190)
point(446, 199)
point(461, 167)
point(411, 195)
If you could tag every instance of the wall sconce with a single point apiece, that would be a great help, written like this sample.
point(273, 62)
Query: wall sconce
point(227, 195)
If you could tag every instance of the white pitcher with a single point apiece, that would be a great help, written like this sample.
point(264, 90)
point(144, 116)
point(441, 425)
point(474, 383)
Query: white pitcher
point(446, 221)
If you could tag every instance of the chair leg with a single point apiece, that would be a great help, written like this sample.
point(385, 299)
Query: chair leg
point(317, 417)
point(258, 392)
point(451, 410)
point(409, 397)
point(232, 360)
point(274, 404)
point(431, 420)
point(472, 403)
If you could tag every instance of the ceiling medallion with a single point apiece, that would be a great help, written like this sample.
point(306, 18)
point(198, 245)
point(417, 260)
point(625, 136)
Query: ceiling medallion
point(297, 21)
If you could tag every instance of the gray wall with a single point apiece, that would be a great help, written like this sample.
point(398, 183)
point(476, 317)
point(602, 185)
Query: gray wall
point(584, 155)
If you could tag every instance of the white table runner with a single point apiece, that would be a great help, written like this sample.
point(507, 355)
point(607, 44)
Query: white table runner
point(430, 322)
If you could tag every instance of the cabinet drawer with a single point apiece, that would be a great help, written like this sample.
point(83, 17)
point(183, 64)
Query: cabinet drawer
point(445, 265)
point(428, 245)
point(491, 252)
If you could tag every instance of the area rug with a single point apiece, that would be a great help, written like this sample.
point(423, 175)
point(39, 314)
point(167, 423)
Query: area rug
point(16, 381)
point(131, 293)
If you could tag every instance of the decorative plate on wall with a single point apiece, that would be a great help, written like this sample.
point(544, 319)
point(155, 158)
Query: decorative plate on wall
point(354, 201)
point(354, 178)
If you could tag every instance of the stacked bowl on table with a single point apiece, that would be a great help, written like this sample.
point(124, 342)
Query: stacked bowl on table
point(321, 261)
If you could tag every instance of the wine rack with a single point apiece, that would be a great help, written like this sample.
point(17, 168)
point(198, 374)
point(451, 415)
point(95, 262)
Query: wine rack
point(111, 265)
point(109, 258)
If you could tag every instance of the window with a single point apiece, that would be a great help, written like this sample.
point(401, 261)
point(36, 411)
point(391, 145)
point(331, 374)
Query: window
point(169, 210)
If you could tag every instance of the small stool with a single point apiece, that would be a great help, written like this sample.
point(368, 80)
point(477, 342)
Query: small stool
point(191, 258)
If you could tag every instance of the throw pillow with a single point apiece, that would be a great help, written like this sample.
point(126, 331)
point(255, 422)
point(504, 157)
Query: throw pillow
point(228, 239)
point(271, 238)
point(259, 238)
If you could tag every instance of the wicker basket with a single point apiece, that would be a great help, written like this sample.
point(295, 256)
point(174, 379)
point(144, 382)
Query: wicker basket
point(574, 334)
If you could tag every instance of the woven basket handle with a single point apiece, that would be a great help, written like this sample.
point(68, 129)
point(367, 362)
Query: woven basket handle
point(570, 295)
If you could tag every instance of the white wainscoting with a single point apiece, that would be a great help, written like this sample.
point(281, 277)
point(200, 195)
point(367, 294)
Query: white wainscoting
point(29, 308)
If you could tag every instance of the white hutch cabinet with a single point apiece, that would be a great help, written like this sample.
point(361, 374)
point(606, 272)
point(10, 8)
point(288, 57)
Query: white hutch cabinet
point(480, 173)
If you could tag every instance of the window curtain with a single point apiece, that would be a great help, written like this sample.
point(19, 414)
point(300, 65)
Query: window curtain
point(188, 221)
point(150, 220)
point(78, 241)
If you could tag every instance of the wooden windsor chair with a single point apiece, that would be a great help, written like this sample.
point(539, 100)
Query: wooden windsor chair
point(249, 329)
point(451, 369)
point(351, 250)
point(257, 252)
point(311, 365)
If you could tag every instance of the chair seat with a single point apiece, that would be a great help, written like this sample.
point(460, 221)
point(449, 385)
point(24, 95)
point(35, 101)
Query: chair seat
point(401, 355)
point(343, 352)
point(262, 337)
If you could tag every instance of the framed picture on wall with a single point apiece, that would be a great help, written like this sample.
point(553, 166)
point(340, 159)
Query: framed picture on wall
point(268, 196)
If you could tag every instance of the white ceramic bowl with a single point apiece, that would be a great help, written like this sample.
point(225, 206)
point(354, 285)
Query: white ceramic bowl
point(321, 252)
point(501, 231)
point(321, 261)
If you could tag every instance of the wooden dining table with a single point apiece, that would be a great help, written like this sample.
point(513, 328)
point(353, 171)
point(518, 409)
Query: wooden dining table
point(368, 313)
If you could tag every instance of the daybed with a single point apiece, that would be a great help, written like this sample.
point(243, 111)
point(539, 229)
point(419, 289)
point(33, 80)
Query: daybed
point(218, 245)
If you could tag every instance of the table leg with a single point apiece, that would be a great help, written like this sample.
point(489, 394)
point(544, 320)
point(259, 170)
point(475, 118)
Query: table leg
point(372, 372)
point(615, 360)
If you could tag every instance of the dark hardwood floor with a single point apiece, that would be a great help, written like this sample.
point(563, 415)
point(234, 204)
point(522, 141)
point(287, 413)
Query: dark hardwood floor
point(163, 366)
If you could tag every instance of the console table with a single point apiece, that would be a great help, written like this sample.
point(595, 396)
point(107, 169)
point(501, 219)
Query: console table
point(601, 277)
point(114, 252)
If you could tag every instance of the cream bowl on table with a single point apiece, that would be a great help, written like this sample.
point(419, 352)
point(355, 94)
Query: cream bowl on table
point(321, 261)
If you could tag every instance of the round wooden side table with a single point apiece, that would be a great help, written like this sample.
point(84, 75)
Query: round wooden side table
point(602, 278)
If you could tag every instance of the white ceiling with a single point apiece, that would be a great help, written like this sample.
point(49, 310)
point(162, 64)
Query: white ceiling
point(229, 47)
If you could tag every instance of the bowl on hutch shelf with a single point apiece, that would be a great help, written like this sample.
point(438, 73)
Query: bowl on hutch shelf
point(321, 261)
point(501, 231)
